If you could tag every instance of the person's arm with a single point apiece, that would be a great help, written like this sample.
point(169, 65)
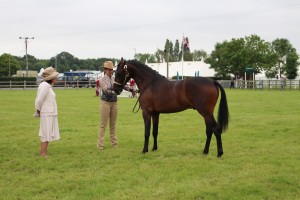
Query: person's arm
point(41, 95)
point(129, 89)
point(106, 86)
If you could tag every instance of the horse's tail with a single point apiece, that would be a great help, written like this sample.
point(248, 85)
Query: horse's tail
point(223, 114)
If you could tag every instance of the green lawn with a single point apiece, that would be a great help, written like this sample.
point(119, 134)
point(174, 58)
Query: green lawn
point(261, 151)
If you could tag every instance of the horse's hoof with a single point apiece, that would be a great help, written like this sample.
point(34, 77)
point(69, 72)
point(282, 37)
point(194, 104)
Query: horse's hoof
point(205, 152)
point(219, 155)
point(144, 151)
point(154, 148)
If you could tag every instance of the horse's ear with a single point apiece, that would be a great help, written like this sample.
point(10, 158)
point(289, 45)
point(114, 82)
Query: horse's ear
point(122, 60)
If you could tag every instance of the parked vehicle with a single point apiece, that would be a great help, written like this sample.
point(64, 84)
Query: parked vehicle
point(74, 81)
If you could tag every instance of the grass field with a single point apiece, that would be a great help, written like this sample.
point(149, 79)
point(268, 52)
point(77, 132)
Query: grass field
point(261, 151)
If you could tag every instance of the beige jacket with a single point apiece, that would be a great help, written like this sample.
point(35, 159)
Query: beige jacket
point(45, 100)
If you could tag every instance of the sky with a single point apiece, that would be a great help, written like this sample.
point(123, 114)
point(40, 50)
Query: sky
point(121, 28)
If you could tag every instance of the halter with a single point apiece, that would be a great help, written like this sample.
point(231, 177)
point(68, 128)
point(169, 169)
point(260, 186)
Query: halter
point(122, 84)
point(126, 76)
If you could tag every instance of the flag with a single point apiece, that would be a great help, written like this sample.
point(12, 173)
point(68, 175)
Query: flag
point(185, 44)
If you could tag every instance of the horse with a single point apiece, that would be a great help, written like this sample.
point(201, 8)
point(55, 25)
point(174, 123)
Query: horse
point(160, 95)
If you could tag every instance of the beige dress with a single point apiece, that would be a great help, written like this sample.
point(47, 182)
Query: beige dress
point(45, 102)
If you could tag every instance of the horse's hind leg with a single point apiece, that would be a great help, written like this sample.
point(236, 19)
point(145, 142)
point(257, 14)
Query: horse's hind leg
point(213, 127)
point(155, 121)
point(208, 136)
point(217, 133)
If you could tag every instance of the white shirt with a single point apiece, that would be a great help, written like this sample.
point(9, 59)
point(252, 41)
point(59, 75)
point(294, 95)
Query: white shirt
point(45, 100)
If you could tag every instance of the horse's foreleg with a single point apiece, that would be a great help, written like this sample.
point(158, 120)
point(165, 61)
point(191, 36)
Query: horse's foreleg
point(155, 121)
point(147, 123)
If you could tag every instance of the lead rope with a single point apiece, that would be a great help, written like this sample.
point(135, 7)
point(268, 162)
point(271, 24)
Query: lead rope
point(135, 106)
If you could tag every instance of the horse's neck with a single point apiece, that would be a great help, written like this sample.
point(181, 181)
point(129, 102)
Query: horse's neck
point(145, 78)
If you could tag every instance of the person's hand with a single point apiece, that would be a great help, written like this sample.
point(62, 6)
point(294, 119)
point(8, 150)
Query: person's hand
point(37, 113)
point(111, 91)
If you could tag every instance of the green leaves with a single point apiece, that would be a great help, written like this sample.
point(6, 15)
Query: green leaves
point(232, 57)
point(8, 65)
point(287, 58)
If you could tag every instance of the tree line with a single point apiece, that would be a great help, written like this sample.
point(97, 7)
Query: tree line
point(63, 61)
point(277, 58)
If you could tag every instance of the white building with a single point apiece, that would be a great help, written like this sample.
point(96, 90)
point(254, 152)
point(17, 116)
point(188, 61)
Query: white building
point(187, 68)
point(193, 68)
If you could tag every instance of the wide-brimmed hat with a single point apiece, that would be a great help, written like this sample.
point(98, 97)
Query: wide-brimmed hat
point(49, 73)
point(108, 65)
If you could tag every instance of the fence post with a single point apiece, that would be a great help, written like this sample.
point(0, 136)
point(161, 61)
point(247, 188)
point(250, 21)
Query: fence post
point(24, 84)
point(10, 84)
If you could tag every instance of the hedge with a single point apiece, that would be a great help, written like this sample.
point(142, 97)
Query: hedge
point(17, 78)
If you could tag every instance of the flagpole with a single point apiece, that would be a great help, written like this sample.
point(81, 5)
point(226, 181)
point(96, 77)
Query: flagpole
point(182, 49)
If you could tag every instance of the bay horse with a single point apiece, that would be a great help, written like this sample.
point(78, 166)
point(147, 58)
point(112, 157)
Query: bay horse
point(159, 95)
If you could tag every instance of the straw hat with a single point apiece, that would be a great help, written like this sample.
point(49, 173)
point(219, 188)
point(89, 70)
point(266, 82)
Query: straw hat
point(108, 65)
point(49, 73)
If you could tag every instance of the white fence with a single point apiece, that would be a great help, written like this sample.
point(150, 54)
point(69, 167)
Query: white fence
point(263, 84)
point(254, 85)
point(33, 84)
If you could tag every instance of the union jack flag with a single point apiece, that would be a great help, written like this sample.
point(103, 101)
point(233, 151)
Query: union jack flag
point(185, 43)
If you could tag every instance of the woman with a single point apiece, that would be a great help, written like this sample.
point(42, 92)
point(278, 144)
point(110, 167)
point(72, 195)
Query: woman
point(108, 107)
point(46, 109)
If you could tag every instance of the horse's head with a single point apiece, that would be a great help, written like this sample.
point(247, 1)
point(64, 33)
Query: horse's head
point(121, 76)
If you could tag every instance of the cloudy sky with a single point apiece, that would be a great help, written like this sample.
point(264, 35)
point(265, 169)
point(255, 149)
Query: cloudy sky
point(119, 28)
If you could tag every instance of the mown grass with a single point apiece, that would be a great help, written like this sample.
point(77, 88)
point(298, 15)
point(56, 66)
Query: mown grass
point(261, 151)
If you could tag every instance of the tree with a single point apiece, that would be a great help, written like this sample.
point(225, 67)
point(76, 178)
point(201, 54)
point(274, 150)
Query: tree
point(284, 51)
point(167, 51)
point(235, 56)
point(292, 65)
point(176, 51)
point(32, 61)
point(42, 63)
point(199, 55)
point(8, 65)
point(143, 57)
point(65, 62)
point(159, 55)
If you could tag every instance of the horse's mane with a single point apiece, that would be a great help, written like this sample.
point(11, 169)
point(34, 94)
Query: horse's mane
point(145, 68)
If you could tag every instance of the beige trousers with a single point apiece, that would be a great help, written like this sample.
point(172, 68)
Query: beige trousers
point(108, 112)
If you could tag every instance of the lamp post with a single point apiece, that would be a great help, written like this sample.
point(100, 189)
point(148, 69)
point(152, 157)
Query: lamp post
point(9, 65)
point(26, 38)
point(56, 63)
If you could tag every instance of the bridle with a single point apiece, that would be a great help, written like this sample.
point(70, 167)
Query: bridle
point(124, 83)
point(126, 76)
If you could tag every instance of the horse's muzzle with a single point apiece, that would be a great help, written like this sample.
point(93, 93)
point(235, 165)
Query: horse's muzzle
point(118, 89)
